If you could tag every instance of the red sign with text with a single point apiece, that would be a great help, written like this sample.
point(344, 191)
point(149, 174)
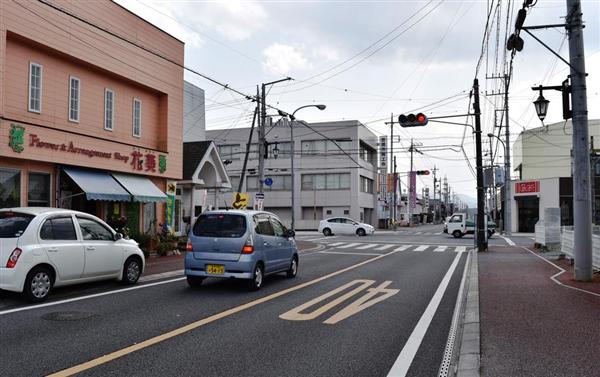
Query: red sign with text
point(527, 187)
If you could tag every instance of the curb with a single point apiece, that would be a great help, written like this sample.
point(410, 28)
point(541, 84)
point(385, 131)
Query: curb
point(469, 359)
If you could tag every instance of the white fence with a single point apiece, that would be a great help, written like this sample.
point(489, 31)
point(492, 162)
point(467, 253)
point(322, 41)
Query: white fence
point(567, 236)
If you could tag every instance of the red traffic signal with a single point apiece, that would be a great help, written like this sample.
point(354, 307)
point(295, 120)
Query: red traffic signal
point(422, 172)
point(412, 120)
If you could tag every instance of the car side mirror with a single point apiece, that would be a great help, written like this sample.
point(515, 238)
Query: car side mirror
point(117, 236)
point(290, 233)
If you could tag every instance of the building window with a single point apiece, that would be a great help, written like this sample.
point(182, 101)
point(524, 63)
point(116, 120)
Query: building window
point(367, 154)
point(366, 185)
point(328, 212)
point(346, 212)
point(109, 109)
point(38, 193)
point(230, 152)
point(325, 147)
point(280, 183)
point(35, 87)
point(137, 117)
point(10, 188)
point(334, 181)
point(74, 92)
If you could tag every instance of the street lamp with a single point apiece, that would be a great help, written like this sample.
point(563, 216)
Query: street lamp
point(506, 220)
point(292, 117)
point(541, 106)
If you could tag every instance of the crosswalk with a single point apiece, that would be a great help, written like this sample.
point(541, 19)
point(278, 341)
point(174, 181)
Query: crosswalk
point(367, 248)
point(401, 233)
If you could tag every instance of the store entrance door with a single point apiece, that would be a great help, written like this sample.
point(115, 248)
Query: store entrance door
point(528, 213)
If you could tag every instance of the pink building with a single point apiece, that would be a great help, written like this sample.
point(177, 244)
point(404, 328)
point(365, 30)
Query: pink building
point(91, 110)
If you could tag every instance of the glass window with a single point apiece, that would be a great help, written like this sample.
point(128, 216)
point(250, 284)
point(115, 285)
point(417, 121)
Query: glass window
point(10, 188)
point(109, 109)
point(74, 92)
point(252, 184)
point(263, 226)
point(278, 229)
point(344, 181)
point(333, 181)
point(346, 212)
point(35, 87)
point(13, 224)
point(59, 228)
point(320, 183)
point(92, 230)
point(456, 219)
point(38, 190)
point(230, 152)
point(235, 182)
point(137, 117)
point(307, 181)
point(220, 225)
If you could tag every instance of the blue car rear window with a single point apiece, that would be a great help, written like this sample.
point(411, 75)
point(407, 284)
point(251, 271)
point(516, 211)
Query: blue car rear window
point(220, 225)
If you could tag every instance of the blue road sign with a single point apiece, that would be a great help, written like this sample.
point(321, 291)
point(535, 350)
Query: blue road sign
point(268, 181)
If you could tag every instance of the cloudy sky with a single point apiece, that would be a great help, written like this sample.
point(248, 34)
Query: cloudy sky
point(368, 59)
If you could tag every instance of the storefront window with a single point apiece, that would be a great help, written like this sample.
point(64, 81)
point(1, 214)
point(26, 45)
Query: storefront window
point(10, 188)
point(39, 190)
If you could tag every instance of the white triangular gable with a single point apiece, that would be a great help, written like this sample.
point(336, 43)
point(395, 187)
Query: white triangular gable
point(211, 157)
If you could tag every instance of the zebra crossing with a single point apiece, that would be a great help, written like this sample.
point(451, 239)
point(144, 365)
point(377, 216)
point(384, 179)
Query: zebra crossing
point(367, 248)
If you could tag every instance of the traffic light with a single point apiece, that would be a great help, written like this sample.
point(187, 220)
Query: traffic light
point(422, 172)
point(413, 120)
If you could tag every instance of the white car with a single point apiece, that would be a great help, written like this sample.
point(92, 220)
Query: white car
point(42, 248)
point(344, 225)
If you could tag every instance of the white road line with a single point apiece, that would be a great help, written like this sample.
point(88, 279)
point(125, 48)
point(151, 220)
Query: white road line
point(439, 249)
point(336, 244)
point(417, 233)
point(384, 247)
point(508, 241)
point(422, 248)
point(403, 247)
point(348, 245)
point(460, 249)
point(347, 253)
point(89, 296)
point(168, 274)
point(438, 233)
point(407, 355)
point(367, 246)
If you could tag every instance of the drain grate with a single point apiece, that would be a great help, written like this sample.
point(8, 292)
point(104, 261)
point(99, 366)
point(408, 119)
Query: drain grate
point(67, 316)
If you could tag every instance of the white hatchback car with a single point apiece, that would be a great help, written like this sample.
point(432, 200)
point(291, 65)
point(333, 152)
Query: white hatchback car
point(41, 248)
point(344, 225)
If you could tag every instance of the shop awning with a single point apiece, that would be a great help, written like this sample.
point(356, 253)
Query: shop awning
point(142, 189)
point(98, 185)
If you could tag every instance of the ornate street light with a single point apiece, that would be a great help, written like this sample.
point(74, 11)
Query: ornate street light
point(541, 106)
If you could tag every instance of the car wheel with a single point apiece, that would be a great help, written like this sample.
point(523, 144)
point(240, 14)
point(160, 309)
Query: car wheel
point(255, 283)
point(360, 232)
point(132, 270)
point(457, 234)
point(38, 284)
point(293, 271)
point(327, 232)
point(194, 281)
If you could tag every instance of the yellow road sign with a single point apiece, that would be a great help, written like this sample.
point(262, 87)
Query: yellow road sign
point(240, 200)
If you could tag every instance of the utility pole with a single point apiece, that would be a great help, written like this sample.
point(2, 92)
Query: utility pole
point(261, 139)
point(394, 186)
point(581, 164)
point(481, 232)
point(411, 189)
point(507, 221)
point(435, 206)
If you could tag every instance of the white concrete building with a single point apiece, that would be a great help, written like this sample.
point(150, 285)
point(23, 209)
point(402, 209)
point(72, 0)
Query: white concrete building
point(542, 159)
point(335, 170)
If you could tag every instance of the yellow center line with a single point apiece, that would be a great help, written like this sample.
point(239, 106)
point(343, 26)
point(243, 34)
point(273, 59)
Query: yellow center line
point(194, 325)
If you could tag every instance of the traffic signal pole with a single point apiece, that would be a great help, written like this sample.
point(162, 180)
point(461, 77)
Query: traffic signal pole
point(481, 244)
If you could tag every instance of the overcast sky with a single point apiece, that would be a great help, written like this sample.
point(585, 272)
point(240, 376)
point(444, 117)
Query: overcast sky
point(368, 59)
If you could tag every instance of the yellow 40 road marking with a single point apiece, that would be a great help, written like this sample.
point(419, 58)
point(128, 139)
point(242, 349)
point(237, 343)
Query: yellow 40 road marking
point(194, 325)
point(357, 306)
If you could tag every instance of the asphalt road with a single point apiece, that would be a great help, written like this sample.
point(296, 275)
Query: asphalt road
point(356, 309)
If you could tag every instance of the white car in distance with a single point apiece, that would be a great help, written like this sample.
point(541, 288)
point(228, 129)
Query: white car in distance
point(42, 248)
point(344, 225)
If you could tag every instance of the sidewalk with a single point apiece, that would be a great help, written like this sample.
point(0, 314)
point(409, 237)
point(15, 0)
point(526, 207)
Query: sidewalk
point(530, 325)
point(161, 265)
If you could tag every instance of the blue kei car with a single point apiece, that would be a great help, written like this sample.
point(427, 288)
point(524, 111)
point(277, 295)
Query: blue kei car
point(239, 244)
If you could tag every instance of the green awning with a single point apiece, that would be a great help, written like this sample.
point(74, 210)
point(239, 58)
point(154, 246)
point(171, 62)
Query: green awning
point(141, 188)
point(97, 185)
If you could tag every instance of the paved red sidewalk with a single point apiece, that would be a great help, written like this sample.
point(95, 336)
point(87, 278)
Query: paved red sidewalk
point(159, 265)
point(531, 326)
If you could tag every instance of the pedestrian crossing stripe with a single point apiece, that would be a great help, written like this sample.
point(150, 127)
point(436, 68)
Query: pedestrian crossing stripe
point(461, 249)
point(384, 247)
point(422, 248)
point(367, 246)
point(439, 249)
point(348, 245)
point(403, 247)
point(336, 244)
